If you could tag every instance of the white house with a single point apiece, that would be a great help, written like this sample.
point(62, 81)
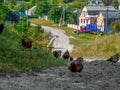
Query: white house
point(30, 12)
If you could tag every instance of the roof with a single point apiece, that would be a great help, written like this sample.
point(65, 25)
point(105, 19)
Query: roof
point(93, 12)
point(110, 14)
point(98, 8)
point(33, 8)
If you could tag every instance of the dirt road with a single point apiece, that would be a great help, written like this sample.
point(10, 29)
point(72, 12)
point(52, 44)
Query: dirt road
point(61, 40)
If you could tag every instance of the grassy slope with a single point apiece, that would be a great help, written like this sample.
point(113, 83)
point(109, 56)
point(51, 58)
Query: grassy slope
point(103, 47)
point(85, 44)
point(14, 57)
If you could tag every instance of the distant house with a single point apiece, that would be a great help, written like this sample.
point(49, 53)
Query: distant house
point(89, 15)
point(30, 12)
point(104, 19)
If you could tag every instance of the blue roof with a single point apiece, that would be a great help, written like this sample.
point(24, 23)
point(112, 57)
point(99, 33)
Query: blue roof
point(21, 14)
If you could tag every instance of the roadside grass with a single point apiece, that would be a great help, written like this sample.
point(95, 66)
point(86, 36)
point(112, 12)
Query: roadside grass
point(104, 47)
point(14, 57)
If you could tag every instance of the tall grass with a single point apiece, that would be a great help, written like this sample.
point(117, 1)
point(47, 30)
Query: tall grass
point(103, 47)
point(14, 57)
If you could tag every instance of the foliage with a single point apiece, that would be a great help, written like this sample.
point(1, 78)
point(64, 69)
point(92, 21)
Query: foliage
point(54, 14)
point(42, 8)
point(10, 5)
point(107, 2)
point(70, 15)
point(65, 1)
point(115, 26)
point(3, 12)
point(21, 7)
point(14, 57)
point(12, 16)
point(79, 4)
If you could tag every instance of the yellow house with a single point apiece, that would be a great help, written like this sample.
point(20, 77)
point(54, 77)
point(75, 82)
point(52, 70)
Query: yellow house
point(104, 19)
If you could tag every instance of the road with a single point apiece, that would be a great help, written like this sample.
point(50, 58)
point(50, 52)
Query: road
point(96, 75)
point(61, 41)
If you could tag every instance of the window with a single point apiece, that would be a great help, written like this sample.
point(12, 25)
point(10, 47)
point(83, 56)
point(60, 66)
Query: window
point(81, 20)
point(84, 20)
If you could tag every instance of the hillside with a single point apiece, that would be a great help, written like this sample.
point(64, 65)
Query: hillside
point(15, 57)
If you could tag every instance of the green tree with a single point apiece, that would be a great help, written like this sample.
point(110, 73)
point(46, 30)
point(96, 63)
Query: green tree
point(79, 4)
point(107, 2)
point(54, 14)
point(10, 5)
point(42, 7)
point(3, 12)
point(70, 15)
point(22, 6)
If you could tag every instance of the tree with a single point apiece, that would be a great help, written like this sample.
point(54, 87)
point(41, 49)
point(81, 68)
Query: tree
point(70, 15)
point(79, 4)
point(3, 12)
point(10, 1)
point(65, 1)
point(115, 26)
point(54, 14)
point(107, 2)
point(42, 7)
point(22, 6)
point(116, 4)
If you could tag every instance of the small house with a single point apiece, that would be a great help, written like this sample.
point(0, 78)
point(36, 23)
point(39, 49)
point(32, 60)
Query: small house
point(104, 20)
point(30, 12)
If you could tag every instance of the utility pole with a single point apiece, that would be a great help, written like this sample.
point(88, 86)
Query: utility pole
point(62, 18)
point(77, 18)
point(63, 14)
point(106, 19)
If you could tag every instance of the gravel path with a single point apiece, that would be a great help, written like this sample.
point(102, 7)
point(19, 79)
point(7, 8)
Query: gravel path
point(61, 40)
point(96, 75)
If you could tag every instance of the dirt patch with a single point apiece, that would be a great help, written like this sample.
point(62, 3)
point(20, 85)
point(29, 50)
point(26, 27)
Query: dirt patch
point(96, 75)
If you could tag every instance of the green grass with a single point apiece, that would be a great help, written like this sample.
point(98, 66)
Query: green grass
point(14, 57)
point(102, 47)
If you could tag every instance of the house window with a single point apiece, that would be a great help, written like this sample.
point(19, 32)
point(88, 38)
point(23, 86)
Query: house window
point(81, 20)
point(84, 20)
point(87, 20)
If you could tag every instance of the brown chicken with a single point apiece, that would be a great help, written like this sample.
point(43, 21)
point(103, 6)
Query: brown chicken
point(114, 58)
point(76, 66)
